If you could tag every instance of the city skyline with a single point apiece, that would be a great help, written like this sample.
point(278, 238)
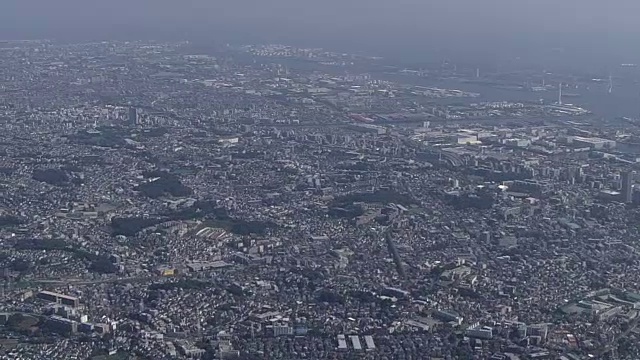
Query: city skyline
point(569, 29)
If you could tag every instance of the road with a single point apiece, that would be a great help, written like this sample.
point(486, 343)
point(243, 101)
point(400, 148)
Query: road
point(101, 281)
point(614, 343)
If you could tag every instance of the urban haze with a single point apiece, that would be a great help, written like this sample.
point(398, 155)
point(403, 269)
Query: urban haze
point(289, 180)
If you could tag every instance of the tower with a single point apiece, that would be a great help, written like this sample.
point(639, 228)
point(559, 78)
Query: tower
point(610, 88)
point(627, 186)
point(393, 251)
point(560, 94)
point(477, 72)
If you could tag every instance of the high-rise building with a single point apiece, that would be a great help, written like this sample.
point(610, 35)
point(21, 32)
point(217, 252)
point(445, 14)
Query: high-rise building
point(133, 116)
point(627, 186)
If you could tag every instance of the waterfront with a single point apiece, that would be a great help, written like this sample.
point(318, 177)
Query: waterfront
point(623, 101)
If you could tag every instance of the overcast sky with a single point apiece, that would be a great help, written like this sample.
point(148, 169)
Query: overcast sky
point(582, 25)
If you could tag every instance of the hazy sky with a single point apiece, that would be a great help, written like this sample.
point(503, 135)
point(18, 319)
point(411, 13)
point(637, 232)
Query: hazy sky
point(582, 26)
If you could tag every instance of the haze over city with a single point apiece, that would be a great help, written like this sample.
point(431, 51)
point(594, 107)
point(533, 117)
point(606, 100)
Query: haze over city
point(591, 30)
point(317, 180)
